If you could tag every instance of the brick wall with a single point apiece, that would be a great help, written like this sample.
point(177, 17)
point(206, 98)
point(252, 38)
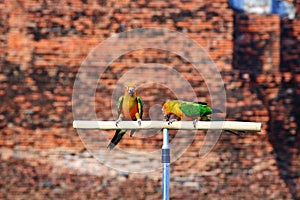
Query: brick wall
point(43, 44)
point(257, 42)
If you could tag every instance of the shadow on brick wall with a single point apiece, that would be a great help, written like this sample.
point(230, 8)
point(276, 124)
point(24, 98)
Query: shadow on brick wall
point(256, 42)
point(278, 88)
point(284, 109)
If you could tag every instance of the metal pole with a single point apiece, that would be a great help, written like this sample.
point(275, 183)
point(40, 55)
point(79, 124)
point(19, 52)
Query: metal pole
point(166, 165)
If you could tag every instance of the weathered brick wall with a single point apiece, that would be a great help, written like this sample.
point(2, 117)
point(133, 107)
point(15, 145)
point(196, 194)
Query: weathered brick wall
point(47, 42)
point(42, 46)
point(257, 42)
point(272, 63)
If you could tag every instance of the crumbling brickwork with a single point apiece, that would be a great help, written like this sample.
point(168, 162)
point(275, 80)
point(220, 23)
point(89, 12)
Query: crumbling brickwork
point(43, 44)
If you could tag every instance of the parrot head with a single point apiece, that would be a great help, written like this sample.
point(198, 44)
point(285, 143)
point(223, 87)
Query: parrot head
point(166, 110)
point(171, 107)
point(130, 89)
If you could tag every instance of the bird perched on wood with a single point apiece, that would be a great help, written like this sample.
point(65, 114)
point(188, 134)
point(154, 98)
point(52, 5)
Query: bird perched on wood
point(197, 111)
point(130, 107)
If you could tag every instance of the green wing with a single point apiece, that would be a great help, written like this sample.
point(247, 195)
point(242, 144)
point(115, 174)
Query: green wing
point(119, 105)
point(195, 109)
point(204, 109)
point(140, 106)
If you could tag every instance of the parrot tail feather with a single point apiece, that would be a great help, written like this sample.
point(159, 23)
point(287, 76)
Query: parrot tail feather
point(132, 132)
point(116, 139)
point(215, 110)
point(200, 102)
point(235, 133)
point(111, 146)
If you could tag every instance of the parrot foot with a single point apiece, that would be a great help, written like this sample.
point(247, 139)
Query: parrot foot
point(139, 122)
point(195, 121)
point(171, 121)
point(117, 121)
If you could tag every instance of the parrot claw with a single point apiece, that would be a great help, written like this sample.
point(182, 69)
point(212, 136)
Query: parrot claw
point(195, 121)
point(117, 121)
point(171, 121)
point(139, 122)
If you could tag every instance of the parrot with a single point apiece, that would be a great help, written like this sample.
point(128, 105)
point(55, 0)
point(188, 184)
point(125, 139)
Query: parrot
point(198, 111)
point(129, 107)
point(186, 110)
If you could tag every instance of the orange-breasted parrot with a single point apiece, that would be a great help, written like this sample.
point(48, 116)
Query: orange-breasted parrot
point(187, 110)
point(130, 107)
point(198, 111)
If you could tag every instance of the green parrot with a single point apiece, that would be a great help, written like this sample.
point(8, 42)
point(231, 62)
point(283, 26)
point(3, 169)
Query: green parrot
point(187, 110)
point(130, 107)
point(198, 111)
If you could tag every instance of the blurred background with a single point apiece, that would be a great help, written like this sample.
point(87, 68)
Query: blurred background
point(254, 44)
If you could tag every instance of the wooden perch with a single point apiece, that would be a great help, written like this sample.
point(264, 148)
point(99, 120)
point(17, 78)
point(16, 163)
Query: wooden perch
point(183, 125)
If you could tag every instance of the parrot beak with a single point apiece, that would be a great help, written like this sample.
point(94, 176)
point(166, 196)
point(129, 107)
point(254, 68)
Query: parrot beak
point(131, 91)
point(166, 116)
